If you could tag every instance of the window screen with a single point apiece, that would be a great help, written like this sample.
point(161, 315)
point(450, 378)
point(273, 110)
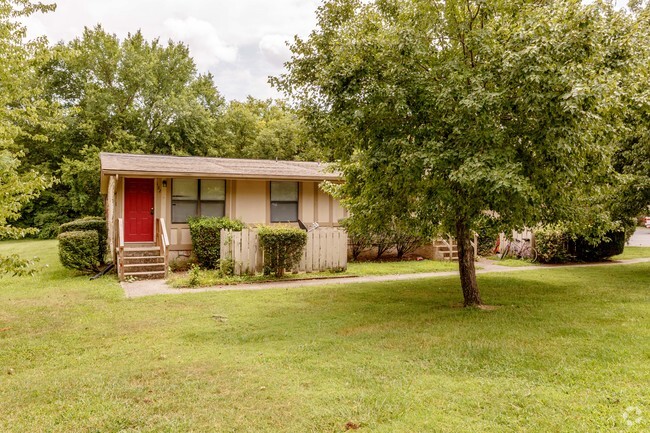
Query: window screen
point(197, 197)
point(185, 199)
point(284, 201)
point(213, 197)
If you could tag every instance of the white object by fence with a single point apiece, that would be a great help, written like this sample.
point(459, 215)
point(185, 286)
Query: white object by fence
point(524, 235)
point(326, 249)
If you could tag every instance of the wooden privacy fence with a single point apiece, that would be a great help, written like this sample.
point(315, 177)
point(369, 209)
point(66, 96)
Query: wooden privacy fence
point(327, 248)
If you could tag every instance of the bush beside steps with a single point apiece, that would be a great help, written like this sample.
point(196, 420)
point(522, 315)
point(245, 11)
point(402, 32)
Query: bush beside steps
point(82, 244)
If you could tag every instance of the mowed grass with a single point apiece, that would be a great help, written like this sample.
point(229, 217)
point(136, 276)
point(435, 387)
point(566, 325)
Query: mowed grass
point(567, 350)
point(399, 267)
point(633, 253)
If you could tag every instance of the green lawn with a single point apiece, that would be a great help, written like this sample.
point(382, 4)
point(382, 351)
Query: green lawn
point(400, 267)
point(633, 253)
point(567, 350)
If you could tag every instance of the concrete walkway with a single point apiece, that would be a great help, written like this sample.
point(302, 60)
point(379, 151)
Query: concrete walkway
point(159, 287)
point(640, 238)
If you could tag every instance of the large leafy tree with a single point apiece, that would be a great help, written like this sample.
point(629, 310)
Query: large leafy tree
point(632, 158)
point(265, 129)
point(20, 106)
point(129, 95)
point(450, 111)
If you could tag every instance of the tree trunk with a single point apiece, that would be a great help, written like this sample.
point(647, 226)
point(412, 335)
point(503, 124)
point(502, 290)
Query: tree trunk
point(471, 296)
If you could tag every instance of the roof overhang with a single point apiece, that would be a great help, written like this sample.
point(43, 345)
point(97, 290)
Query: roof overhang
point(134, 165)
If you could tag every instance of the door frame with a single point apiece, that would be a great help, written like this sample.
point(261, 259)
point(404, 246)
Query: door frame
point(155, 210)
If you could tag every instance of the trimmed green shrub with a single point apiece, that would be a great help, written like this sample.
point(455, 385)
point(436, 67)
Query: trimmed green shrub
point(611, 245)
point(282, 246)
point(555, 245)
point(78, 250)
point(97, 224)
point(49, 231)
point(552, 244)
point(206, 238)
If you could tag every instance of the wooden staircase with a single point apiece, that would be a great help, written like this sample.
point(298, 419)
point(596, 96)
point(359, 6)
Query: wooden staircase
point(445, 249)
point(143, 262)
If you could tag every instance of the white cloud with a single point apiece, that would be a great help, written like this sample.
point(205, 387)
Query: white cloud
point(207, 48)
point(240, 41)
point(274, 49)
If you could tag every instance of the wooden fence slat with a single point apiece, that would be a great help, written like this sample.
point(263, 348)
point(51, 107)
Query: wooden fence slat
point(309, 266)
point(315, 245)
point(344, 249)
point(259, 255)
point(237, 252)
point(330, 248)
point(322, 263)
point(223, 244)
point(337, 254)
point(324, 248)
point(245, 259)
point(252, 252)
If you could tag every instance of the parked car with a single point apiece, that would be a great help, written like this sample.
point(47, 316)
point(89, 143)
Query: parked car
point(647, 222)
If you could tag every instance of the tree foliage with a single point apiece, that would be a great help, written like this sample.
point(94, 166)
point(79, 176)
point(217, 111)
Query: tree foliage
point(265, 129)
point(20, 106)
point(457, 108)
point(632, 157)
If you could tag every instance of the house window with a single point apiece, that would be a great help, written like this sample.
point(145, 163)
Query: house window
point(284, 201)
point(197, 197)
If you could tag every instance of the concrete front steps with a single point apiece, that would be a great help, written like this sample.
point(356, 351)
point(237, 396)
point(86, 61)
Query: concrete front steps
point(143, 262)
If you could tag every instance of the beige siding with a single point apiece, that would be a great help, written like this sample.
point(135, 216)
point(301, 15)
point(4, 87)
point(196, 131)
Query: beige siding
point(251, 204)
point(323, 208)
point(180, 235)
point(307, 202)
point(339, 212)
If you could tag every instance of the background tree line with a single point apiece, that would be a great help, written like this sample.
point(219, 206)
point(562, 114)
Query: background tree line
point(138, 96)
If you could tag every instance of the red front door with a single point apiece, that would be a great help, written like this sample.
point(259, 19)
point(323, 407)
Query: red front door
point(138, 210)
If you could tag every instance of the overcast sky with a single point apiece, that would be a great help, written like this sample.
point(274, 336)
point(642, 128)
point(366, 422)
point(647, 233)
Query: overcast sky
point(241, 42)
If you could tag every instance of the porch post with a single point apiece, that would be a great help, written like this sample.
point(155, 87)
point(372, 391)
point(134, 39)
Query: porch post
point(110, 216)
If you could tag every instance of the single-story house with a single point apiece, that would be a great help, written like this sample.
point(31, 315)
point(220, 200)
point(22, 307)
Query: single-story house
point(149, 198)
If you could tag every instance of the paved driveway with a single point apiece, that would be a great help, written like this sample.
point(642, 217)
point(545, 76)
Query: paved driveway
point(640, 238)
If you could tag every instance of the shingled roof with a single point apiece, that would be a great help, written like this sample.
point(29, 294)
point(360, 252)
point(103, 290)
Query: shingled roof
point(193, 166)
